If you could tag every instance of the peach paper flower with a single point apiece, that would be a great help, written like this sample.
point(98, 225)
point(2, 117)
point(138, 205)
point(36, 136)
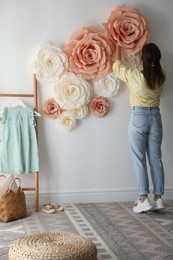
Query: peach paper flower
point(72, 91)
point(99, 106)
point(51, 109)
point(128, 28)
point(89, 53)
point(107, 86)
point(50, 62)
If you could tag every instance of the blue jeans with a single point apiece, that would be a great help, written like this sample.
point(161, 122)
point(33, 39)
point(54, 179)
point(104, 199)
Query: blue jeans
point(145, 138)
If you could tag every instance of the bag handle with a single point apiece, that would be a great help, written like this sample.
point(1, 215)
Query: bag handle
point(9, 188)
point(1, 175)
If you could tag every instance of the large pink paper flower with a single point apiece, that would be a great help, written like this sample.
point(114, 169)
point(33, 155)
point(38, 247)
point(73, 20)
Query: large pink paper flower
point(99, 106)
point(89, 53)
point(51, 109)
point(128, 28)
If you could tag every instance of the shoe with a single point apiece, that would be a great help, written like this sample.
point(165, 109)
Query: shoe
point(48, 208)
point(142, 206)
point(158, 204)
point(57, 207)
point(136, 201)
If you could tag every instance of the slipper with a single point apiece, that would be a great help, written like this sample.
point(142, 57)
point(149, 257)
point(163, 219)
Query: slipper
point(48, 208)
point(57, 207)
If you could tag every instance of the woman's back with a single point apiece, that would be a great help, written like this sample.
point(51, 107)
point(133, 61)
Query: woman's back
point(140, 94)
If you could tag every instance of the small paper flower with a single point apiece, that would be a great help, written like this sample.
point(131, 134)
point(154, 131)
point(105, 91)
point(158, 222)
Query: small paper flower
point(66, 121)
point(99, 106)
point(107, 86)
point(51, 109)
point(128, 28)
point(50, 62)
point(72, 91)
point(89, 53)
point(80, 112)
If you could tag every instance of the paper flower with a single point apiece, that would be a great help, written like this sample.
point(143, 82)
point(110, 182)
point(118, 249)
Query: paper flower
point(66, 121)
point(99, 106)
point(128, 28)
point(50, 62)
point(132, 61)
point(89, 53)
point(80, 112)
point(107, 86)
point(72, 91)
point(51, 109)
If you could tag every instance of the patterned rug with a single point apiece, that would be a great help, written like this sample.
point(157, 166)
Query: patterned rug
point(116, 230)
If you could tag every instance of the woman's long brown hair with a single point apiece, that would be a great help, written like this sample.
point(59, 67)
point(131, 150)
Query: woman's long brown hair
point(152, 69)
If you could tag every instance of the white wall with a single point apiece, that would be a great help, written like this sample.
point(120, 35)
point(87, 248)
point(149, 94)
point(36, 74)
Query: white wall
point(93, 162)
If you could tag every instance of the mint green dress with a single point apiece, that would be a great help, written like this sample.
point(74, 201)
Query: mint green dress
point(19, 149)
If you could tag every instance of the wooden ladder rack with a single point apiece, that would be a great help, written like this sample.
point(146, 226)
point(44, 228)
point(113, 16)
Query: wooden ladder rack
point(36, 174)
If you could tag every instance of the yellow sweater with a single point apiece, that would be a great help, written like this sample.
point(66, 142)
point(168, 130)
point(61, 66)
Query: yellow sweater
point(140, 95)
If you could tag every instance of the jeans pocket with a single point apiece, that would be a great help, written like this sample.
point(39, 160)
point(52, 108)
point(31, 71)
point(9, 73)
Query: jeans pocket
point(140, 120)
point(158, 119)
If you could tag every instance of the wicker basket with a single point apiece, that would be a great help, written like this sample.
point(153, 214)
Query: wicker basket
point(53, 246)
point(13, 204)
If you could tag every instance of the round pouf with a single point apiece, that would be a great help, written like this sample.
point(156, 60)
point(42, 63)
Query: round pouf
point(53, 246)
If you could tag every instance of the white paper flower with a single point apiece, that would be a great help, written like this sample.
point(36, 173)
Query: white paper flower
point(66, 121)
point(107, 86)
point(80, 112)
point(72, 91)
point(50, 62)
point(132, 61)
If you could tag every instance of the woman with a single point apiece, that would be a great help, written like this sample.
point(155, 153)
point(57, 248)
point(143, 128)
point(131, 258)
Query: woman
point(145, 125)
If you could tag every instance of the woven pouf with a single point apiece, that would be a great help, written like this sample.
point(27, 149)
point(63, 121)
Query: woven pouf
point(53, 246)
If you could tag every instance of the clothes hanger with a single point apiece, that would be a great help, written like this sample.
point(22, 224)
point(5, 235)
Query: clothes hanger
point(16, 103)
point(37, 114)
point(19, 102)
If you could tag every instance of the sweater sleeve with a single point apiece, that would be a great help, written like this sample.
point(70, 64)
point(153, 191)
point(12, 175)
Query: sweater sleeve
point(122, 72)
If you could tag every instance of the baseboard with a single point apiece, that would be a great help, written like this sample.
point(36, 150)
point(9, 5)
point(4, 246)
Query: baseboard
point(90, 196)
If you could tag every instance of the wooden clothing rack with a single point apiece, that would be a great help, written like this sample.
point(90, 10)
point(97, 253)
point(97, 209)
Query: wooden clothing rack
point(36, 174)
